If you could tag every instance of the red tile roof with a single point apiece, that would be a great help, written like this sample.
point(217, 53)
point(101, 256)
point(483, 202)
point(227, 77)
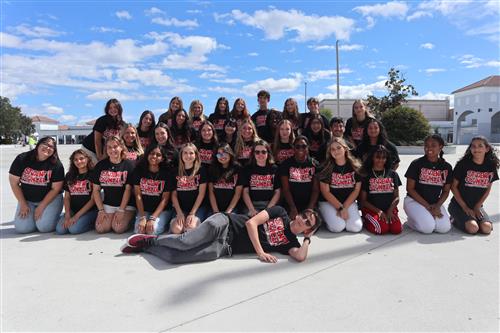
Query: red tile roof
point(490, 81)
point(43, 119)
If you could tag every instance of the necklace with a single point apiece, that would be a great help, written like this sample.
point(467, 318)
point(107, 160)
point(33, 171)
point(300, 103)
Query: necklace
point(378, 175)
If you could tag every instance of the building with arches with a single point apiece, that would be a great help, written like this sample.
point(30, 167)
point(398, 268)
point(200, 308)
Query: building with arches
point(477, 111)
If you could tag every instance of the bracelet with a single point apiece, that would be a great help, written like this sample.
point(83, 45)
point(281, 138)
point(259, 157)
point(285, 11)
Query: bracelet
point(307, 238)
point(100, 210)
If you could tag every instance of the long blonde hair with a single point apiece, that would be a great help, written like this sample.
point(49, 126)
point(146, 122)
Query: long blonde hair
point(118, 140)
point(191, 109)
point(197, 160)
point(330, 163)
point(240, 143)
point(277, 138)
point(137, 142)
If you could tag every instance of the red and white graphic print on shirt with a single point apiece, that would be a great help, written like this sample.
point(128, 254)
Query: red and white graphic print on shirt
point(261, 182)
point(188, 183)
point(381, 185)
point(260, 120)
point(196, 124)
point(223, 184)
point(245, 153)
point(219, 124)
point(301, 175)
point(275, 232)
point(314, 146)
point(132, 155)
point(80, 187)
point(36, 177)
point(432, 177)
point(206, 155)
point(478, 179)
point(357, 133)
point(284, 154)
point(109, 132)
point(113, 178)
point(152, 187)
point(345, 180)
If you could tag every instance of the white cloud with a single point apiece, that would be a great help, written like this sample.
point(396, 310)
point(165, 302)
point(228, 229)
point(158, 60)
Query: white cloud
point(152, 77)
point(253, 54)
point(263, 69)
point(223, 90)
point(275, 23)
point(356, 91)
point(175, 22)
point(223, 47)
point(67, 118)
point(123, 15)
point(38, 32)
point(12, 91)
point(434, 70)
point(291, 50)
point(52, 109)
point(417, 15)
point(428, 46)
point(273, 85)
point(342, 47)
point(395, 9)
point(105, 95)
point(208, 75)
point(224, 18)
point(433, 95)
point(471, 61)
point(326, 74)
point(105, 29)
point(154, 11)
point(228, 81)
point(193, 11)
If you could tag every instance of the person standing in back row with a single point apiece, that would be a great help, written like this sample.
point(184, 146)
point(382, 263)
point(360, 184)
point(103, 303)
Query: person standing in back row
point(259, 118)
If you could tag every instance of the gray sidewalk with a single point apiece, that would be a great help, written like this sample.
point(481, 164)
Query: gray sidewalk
point(350, 282)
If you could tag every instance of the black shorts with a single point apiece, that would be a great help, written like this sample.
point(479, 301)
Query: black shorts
point(459, 217)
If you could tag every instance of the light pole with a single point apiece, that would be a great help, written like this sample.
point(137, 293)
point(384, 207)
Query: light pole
point(305, 96)
point(338, 78)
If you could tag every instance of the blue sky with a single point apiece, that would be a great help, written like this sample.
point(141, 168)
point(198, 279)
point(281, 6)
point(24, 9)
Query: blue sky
point(65, 59)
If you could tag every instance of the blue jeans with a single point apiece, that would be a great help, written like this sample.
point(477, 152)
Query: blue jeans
point(46, 223)
point(85, 223)
point(161, 223)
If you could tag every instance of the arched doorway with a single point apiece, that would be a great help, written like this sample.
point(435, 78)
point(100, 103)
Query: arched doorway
point(495, 127)
point(463, 133)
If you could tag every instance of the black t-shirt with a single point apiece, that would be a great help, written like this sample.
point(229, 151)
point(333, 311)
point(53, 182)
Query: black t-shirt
point(300, 179)
point(261, 181)
point(113, 179)
point(218, 120)
point(381, 189)
point(132, 154)
point(342, 181)
point(355, 133)
point(474, 179)
point(430, 177)
point(259, 118)
point(105, 126)
point(284, 152)
point(274, 235)
point(171, 157)
point(207, 151)
point(224, 189)
point(145, 138)
point(363, 150)
point(36, 177)
point(152, 185)
point(317, 146)
point(196, 123)
point(80, 191)
point(188, 187)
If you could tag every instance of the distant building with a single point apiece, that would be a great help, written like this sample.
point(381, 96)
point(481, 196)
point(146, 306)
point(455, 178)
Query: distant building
point(64, 134)
point(437, 112)
point(477, 110)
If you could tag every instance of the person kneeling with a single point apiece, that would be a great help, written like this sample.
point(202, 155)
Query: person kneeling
point(271, 230)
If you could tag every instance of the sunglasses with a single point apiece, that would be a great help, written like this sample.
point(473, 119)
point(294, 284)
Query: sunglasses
point(307, 220)
point(259, 152)
point(300, 146)
point(221, 155)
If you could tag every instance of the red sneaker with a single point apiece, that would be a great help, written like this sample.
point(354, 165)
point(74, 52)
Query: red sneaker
point(127, 249)
point(141, 240)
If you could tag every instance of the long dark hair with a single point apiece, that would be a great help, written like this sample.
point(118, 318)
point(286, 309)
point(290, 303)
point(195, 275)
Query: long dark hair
point(490, 156)
point(73, 173)
point(324, 134)
point(150, 132)
point(217, 171)
point(294, 117)
point(439, 140)
point(244, 113)
point(382, 138)
point(368, 163)
point(143, 164)
point(118, 121)
point(270, 158)
point(215, 138)
point(185, 130)
point(170, 141)
point(226, 103)
point(33, 154)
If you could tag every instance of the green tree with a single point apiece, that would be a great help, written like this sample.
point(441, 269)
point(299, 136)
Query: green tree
point(327, 113)
point(398, 91)
point(405, 126)
point(13, 124)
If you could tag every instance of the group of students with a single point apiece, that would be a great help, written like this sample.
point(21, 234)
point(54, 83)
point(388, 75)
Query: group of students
point(168, 177)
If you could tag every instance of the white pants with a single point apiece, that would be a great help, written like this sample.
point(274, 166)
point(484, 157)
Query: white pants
point(420, 219)
point(335, 223)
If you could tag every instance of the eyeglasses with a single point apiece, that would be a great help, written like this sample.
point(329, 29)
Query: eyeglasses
point(221, 155)
point(47, 146)
point(259, 152)
point(307, 220)
point(300, 146)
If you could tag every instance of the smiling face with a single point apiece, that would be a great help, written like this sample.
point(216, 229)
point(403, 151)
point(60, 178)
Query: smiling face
point(478, 150)
point(229, 129)
point(373, 130)
point(197, 110)
point(146, 122)
point(303, 222)
point(338, 152)
point(338, 129)
point(129, 136)
point(240, 105)
point(222, 107)
point(180, 119)
point(285, 131)
point(114, 150)
point(247, 132)
point(155, 157)
point(379, 160)
point(313, 107)
point(316, 125)
point(113, 110)
point(161, 135)
point(223, 157)
point(290, 106)
point(359, 111)
point(188, 156)
point(207, 133)
point(175, 105)
point(261, 154)
point(432, 148)
point(81, 161)
point(45, 150)
point(263, 101)
point(300, 149)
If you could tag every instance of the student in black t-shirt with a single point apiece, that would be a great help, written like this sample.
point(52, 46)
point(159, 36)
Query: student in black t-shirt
point(220, 115)
point(163, 137)
point(80, 211)
point(174, 105)
point(261, 183)
point(189, 186)
point(380, 194)
point(299, 184)
point(146, 128)
point(106, 126)
point(291, 112)
point(116, 210)
point(355, 126)
point(36, 179)
point(246, 138)
point(428, 185)
point(340, 183)
point(207, 142)
point(181, 130)
point(229, 135)
point(313, 107)
point(196, 115)
point(133, 143)
point(152, 194)
point(259, 118)
point(374, 135)
point(318, 137)
point(283, 142)
point(472, 179)
point(224, 234)
point(273, 119)
point(240, 111)
point(225, 183)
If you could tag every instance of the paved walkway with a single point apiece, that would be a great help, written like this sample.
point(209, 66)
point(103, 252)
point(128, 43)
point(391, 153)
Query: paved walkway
point(350, 282)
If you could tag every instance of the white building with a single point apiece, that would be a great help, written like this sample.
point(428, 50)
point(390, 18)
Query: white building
point(64, 134)
point(477, 110)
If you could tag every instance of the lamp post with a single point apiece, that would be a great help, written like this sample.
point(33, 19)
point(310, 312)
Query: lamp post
point(305, 96)
point(338, 78)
